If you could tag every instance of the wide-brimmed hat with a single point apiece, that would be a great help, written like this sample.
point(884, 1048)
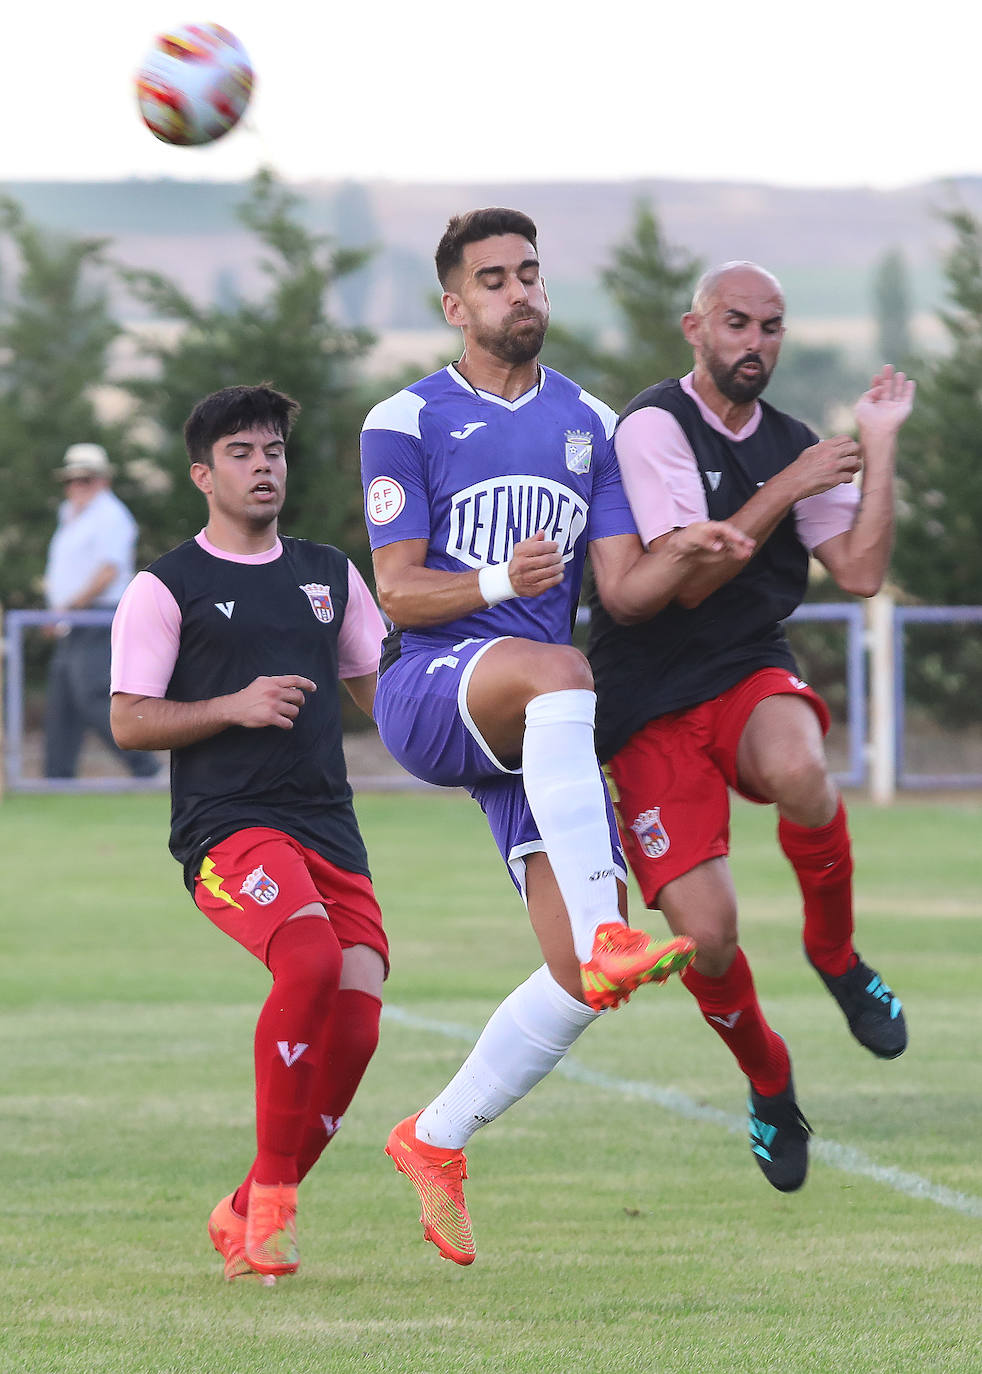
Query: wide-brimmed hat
point(84, 460)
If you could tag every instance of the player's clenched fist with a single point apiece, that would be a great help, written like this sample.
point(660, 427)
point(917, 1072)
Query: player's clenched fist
point(710, 541)
point(536, 565)
point(272, 701)
point(826, 464)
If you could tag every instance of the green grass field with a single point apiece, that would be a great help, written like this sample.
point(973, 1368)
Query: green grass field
point(621, 1222)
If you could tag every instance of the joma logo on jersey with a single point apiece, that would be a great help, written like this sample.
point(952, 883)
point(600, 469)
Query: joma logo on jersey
point(488, 519)
point(321, 604)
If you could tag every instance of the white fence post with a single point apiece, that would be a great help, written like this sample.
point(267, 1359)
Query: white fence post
point(882, 725)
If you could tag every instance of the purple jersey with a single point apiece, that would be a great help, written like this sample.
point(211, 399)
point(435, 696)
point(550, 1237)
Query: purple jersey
point(474, 475)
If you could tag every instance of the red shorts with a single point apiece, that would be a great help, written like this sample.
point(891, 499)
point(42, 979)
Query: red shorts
point(670, 781)
point(253, 881)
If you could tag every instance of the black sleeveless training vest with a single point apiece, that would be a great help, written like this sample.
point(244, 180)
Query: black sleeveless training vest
point(683, 657)
point(240, 621)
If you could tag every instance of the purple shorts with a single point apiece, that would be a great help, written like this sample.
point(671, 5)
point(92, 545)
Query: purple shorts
point(422, 717)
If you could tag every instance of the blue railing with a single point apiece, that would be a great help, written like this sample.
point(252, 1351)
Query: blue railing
point(851, 614)
point(924, 615)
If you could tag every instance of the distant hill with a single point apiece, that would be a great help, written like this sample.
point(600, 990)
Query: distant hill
point(823, 243)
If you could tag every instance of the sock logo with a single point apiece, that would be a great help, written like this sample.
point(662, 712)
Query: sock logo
point(332, 1124)
point(728, 1021)
point(290, 1055)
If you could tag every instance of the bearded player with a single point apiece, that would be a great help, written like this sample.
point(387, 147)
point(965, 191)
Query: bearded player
point(484, 486)
point(706, 696)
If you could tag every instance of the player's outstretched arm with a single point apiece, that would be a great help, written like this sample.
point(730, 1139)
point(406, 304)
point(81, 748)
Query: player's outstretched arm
point(859, 558)
point(414, 596)
point(140, 722)
point(634, 585)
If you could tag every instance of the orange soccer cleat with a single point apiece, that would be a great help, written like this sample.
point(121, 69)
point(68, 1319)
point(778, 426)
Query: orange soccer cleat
point(228, 1231)
point(437, 1175)
point(623, 959)
point(271, 1228)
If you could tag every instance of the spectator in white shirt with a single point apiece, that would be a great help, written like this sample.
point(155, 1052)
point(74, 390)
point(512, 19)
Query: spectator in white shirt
point(90, 563)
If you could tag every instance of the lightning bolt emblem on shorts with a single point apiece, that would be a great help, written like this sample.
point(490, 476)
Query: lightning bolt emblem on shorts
point(213, 880)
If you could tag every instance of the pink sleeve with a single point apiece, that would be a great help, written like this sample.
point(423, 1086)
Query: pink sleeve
point(146, 636)
point(826, 514)
point(360, 640)
point(659, 473)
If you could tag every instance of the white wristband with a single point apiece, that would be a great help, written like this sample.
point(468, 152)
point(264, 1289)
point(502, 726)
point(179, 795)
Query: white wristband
point(495, 584)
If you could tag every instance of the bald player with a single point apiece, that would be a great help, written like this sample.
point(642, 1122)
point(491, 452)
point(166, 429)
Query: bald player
point(706, 695)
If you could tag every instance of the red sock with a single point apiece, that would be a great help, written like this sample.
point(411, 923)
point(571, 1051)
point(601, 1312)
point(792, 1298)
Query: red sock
point(729, 1004)
point(822, 861)
point(305, 961)
point(352, 1035)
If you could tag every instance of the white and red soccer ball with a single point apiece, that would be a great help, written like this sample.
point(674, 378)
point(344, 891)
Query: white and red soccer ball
point(194, 84)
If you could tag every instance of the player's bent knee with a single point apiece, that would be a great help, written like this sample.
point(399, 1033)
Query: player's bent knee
point(560, 668)
point(796, 781)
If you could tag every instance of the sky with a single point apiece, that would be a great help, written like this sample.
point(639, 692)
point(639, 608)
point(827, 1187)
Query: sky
point(837, 94)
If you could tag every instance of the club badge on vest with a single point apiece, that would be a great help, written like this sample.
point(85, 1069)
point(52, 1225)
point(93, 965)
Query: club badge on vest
point(321, 604)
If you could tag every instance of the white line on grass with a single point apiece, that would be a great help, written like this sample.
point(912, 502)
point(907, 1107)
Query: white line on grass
point(843, 1157)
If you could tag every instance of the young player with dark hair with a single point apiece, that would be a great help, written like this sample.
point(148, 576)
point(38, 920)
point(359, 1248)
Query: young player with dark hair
point(228, 652)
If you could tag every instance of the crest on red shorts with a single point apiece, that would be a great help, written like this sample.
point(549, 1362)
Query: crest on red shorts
point(260, 887)
point(652, 835)
point(321, 604)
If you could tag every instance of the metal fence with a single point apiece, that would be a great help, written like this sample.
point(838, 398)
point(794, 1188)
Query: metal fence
point(874, 715)
point(903, 617)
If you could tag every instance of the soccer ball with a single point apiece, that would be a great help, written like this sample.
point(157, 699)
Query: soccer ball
point(194, 84)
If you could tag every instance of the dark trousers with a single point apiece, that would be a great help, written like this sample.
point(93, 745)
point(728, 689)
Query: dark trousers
point(78, 700)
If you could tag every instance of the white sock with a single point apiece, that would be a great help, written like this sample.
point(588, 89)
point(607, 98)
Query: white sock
point(566, 796)
point(525, 1038)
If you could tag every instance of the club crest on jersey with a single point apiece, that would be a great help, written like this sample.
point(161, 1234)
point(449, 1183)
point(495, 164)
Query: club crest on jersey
point(260, 887)
point(321, 604)
point(652, 835)
point(579, 450)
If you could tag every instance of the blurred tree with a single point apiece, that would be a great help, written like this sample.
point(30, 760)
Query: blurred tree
point(287, 338)
point(891, 305)
point(818, 384)
point(357, 227)
point(650, 283)
point(55, 334)
point(938, 558)
point(939, 552)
